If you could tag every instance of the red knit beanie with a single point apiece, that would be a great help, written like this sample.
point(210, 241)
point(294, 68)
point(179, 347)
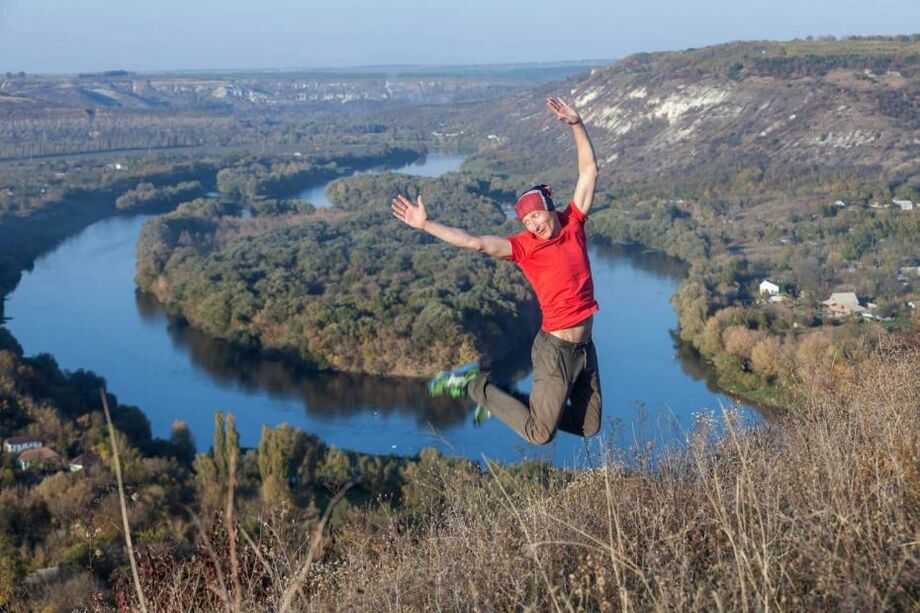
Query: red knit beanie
point(537, 198)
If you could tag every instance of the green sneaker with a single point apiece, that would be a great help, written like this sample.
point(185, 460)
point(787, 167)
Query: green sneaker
point(480, 414)
point(454, 382)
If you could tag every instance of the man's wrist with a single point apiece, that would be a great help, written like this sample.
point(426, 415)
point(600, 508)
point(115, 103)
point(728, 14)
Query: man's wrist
point(574, 123)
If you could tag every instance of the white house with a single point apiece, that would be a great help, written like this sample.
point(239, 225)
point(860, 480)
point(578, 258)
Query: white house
point(840, 203)
point(906, 205)
point(40, 456)
point(769, 288)
point(16, 444)
point(844, 303)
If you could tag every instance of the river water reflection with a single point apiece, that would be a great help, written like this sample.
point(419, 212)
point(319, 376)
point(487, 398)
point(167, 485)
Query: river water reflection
point(79, 303)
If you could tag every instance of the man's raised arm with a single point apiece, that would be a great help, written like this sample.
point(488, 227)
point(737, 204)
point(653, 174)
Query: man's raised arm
point(415, 216)
point(587, 163)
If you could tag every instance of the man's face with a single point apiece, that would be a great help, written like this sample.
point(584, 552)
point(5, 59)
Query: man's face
point(542, 224)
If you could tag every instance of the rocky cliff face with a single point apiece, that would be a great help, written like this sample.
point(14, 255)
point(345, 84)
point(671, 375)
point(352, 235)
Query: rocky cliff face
point(786, 108)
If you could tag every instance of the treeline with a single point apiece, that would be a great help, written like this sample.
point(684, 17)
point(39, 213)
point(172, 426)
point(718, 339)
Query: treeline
point(269, 177)
point(352, 291)
point(659, 225)
point(148, 196)
point(33, 131)
point(812, 245)
point(51, 518)
point(49, 184)
point(812, 56)
point(60, 131)
point(799, 58)
point(757, 348)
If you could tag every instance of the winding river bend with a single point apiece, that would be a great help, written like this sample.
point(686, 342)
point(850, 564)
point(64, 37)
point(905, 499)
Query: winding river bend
point(79, 303)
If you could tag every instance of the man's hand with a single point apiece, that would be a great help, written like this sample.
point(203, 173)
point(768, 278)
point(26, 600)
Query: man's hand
point(408, 213)
point(414, 215)
point(587, 163)
point(563, 111)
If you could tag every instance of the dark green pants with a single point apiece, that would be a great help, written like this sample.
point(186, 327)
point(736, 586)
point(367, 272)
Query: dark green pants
point(566, 393)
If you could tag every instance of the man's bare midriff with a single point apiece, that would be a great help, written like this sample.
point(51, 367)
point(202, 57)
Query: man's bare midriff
point(578, 333)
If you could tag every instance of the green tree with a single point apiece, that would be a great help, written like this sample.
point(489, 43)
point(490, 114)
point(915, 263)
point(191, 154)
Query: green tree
point(212, 470)
point(281, 453)
point(335, 469)
point(182, 442)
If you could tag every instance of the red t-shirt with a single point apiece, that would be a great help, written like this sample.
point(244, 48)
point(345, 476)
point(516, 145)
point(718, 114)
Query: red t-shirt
point(559, 271)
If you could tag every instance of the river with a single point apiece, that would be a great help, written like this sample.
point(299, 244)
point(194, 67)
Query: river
point(80, 304)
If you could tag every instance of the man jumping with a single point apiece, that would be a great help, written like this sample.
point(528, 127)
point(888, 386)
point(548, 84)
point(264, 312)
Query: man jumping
point(552, 253)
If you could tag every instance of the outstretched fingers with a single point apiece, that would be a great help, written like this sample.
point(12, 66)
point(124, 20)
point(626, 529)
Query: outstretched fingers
point(407, 212)
point(561, 110)
point(400, 207)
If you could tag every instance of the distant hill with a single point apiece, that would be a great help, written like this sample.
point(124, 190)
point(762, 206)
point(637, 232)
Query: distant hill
point(251, 93)
point(776, 109)
point(255, 91)
point(528, 71)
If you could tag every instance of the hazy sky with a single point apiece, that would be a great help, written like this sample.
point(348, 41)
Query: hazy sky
point(90, 35)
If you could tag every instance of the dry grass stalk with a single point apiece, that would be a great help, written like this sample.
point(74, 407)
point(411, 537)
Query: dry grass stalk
point(232, 459)
point(550, 589)
point(315, 543)
point(124, 507)
point(221, 588)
